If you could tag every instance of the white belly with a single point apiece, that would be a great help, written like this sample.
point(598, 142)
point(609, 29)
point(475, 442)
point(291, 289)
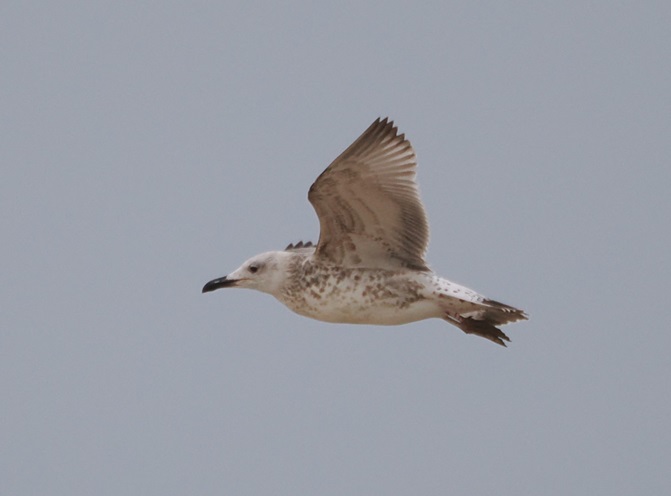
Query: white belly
point(367, 299)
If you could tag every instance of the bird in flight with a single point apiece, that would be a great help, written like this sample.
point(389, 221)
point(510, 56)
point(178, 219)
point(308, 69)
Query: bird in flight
point(368, 266)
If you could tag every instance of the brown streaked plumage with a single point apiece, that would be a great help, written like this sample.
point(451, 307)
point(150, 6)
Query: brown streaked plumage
point(368, 205)
point(368, 266)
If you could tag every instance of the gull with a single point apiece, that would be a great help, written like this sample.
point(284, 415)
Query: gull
point(368, 266)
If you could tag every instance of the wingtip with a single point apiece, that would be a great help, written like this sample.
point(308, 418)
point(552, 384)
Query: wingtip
point(299, 245)
point(384, 122)
point(385, 127)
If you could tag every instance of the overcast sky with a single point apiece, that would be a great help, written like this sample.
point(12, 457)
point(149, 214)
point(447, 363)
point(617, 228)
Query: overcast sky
point(148, 147)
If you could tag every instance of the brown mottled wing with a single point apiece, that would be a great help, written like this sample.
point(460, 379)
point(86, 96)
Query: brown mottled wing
point(368, 204)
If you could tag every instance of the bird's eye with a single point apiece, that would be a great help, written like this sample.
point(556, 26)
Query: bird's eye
point(253, 269)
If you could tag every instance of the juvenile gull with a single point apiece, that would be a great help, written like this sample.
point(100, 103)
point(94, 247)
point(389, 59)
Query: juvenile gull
point(368, 266)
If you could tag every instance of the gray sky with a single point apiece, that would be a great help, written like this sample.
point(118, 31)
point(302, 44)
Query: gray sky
point(148, 147)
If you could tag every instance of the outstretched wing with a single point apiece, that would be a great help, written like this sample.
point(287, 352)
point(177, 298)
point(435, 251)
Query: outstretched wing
point(368, 205)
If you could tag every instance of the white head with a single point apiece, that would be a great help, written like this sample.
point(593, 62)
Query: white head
point(265, 272)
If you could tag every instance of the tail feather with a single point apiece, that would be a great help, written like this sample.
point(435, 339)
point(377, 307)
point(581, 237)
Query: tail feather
point(480, 328)
point(483, 322)
point(499, 313)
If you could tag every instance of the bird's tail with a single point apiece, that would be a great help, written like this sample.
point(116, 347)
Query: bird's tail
point(483, 321)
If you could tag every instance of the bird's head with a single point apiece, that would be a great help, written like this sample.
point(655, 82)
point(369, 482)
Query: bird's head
point(266, 272)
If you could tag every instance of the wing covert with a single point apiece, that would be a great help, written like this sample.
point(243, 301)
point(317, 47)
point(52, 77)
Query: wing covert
point(368, 204)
